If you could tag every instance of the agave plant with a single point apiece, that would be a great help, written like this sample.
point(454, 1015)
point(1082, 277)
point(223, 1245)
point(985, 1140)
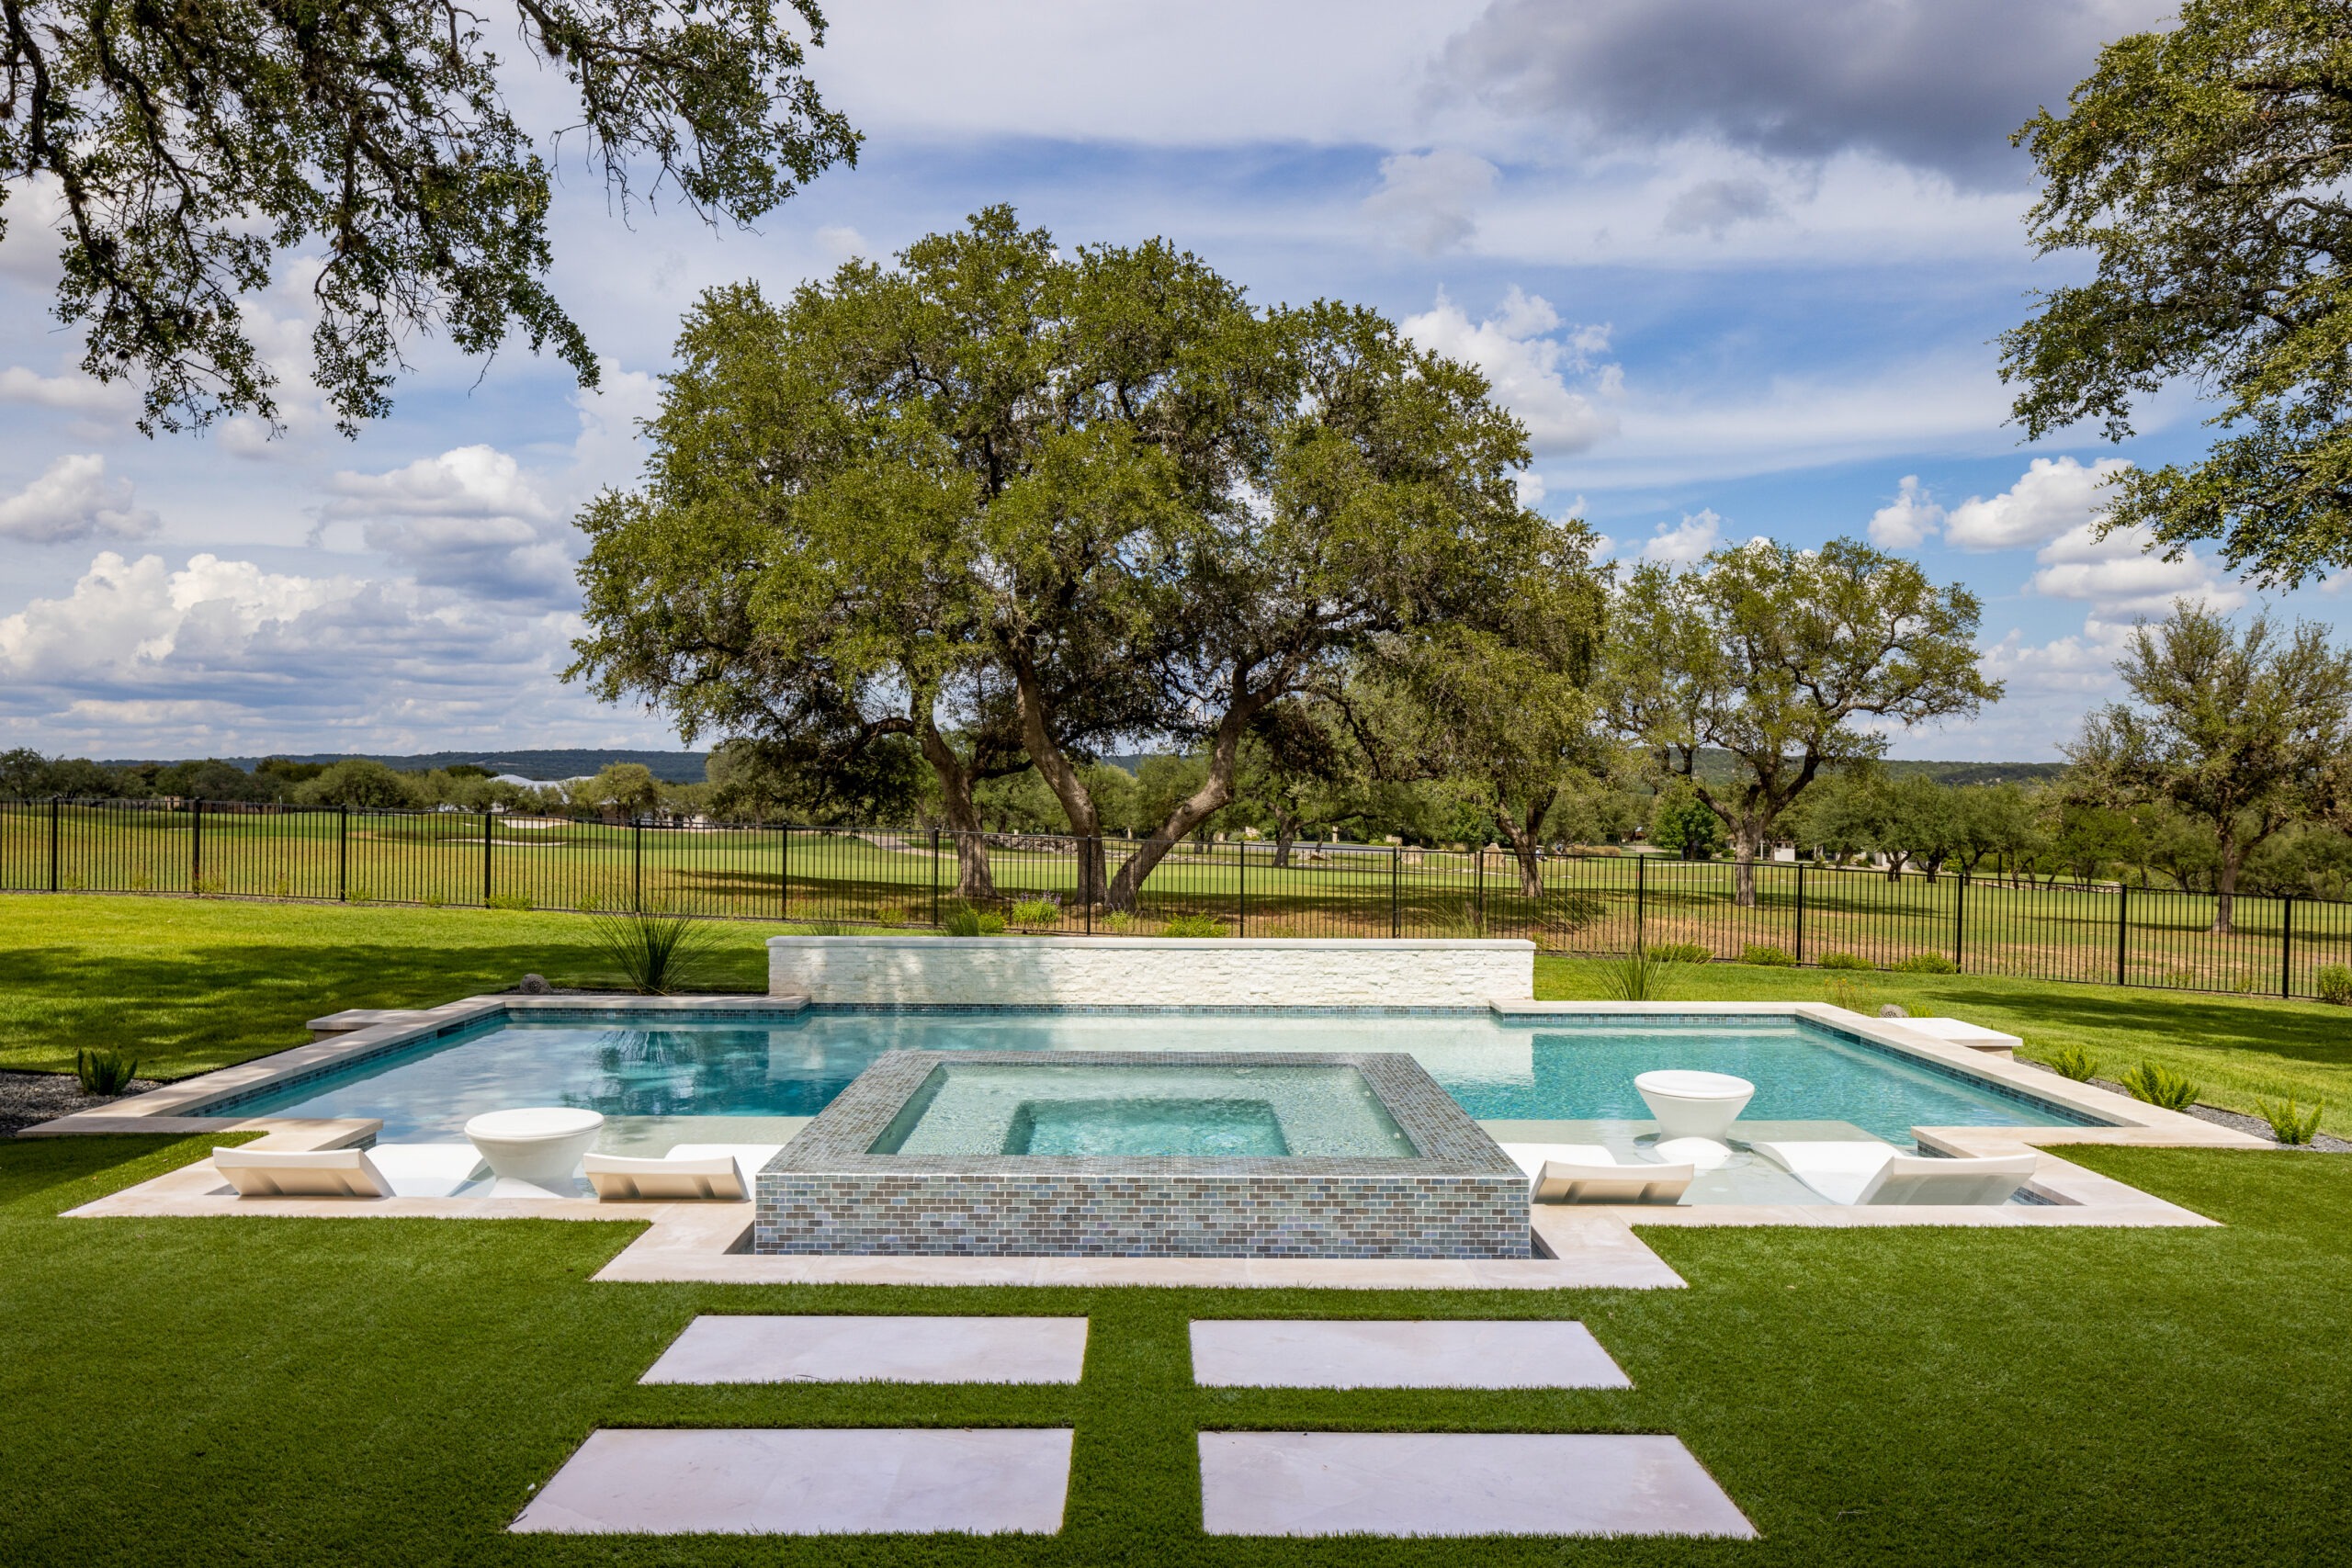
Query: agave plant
point(658, 950)
point(2289, 1122)
point(1638, 976)
point(107, 1073)
point(2160, 1086)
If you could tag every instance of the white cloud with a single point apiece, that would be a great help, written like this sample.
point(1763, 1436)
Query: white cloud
point(1519, 350)
point(2079, 665)
point(2121, 575)
point(469, 518)
point(73, 499)
point(71, 390)
point(1679, 543)
point(1429, 201)
point(2054, 496)
point(1909, 519)
point(838, 243)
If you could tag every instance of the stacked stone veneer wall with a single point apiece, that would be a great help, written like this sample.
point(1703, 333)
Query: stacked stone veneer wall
point(1149, 971)
point(1461, 1197)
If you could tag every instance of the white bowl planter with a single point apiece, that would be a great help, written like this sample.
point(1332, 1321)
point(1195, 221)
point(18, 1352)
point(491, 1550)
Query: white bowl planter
point(1693, 1104)
point(540, 1144)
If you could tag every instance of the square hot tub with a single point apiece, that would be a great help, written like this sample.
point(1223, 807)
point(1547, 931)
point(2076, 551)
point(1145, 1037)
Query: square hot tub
point(1142, 1154)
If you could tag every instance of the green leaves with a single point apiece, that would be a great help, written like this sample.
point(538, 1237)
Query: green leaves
point(2204, 170)
point(196, 147)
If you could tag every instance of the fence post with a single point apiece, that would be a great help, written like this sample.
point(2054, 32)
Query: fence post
point(1641, 897)
point(1482, 890)
point(1958, 922)
point(2122, 912)
point(1242, 845)
point(53, 815)
point(1088, 848)
point(485, 858)
point(784, 879)
point(637, 865)
point(2287, 947)
point(195, 845)
point(342, 854)
point(1800, 911)
point(1395, 892)
point(934, 877)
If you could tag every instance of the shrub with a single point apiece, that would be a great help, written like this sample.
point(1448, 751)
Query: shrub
point(2289, 1122)
point(1119, 922)
point(511, 901)
point(1682, 952)
point(1035, 912)
point(2074, 1062)
point(1844, 993)
point(1764, 953)
point(104, 1072)
point(1843, 961)
point(2160, 1086)
point(657, 951)
point(1640, 975)
point(208, 886)
point(1458, 921)
point(1926, 964)
point(2334, 982)
point(817, 928)
point(962, 919)
point(1194, 925)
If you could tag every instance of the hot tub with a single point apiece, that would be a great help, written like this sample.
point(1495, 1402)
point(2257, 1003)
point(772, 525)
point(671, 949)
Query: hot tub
point(1128, 1155)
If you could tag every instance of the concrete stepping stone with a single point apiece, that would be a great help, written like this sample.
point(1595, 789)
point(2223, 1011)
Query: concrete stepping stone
point(1440, 1484)
point(778, 1481)
point(875, 1350)
point(1432, 1354)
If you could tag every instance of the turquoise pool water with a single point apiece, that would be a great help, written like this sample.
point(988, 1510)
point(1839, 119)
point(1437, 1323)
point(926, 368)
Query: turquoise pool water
point(1498, 1069)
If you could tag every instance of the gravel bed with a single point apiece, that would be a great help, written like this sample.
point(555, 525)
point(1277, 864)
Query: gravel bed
point(2236, 1121)
point(28, 1098)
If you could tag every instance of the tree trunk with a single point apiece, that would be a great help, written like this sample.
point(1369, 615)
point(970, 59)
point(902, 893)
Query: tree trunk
point(974, 881)
point(1214, 794)
point(1524, 836)
point(1286, 835)
point(1068, 787)
point(1747, 844)
point(2225, 887)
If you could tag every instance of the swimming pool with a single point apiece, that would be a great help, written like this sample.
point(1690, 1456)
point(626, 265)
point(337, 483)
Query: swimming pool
point(726, 1079)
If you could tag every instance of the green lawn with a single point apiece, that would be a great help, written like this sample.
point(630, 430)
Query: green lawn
point(388, 1392)
point(2241, 1050)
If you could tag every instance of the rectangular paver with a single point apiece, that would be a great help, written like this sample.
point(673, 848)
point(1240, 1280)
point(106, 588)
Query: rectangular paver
point(1436, 1484)
point(1434, 1354)
point(877, 1350)
point(774, 1481)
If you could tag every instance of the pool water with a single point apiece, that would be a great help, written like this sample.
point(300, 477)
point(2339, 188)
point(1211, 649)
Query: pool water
point(647, 1080)
point(1144, 1110)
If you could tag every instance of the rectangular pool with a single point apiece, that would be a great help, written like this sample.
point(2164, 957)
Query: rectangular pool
point(722, 1079)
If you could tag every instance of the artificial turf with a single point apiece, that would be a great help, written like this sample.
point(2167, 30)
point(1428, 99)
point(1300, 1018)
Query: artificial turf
point(388, 1392)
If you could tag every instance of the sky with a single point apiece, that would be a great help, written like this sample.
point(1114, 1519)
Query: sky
point(1739, 268)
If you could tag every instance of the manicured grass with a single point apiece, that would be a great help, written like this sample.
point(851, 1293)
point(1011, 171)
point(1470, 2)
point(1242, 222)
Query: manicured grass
point(189, 985)
point(2240, 1050)
point(391, 1391)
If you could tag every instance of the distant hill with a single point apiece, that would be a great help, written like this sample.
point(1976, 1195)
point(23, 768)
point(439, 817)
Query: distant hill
point(670, 767)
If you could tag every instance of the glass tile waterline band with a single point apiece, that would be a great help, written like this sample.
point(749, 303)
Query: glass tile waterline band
point(1584, 902)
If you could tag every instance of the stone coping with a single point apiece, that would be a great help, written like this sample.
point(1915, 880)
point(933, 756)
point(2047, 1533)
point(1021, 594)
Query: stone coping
point(1168, 943)
point(1446, 1141)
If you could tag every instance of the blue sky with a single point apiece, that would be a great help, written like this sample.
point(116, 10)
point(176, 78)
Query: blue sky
point(1739, 267)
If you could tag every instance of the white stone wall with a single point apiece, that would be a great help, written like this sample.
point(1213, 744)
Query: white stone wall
point(1151, 971)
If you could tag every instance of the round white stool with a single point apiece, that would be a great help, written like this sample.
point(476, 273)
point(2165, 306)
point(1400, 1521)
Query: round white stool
point(542, 1143)
point(1693, 1104)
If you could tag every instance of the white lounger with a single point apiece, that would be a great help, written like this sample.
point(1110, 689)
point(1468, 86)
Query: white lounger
point(1861, 1173)
point(309, 1173)
point(623, 1176)
point(1586, 1173)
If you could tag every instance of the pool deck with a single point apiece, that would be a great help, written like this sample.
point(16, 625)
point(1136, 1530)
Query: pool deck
point(1590, 1246)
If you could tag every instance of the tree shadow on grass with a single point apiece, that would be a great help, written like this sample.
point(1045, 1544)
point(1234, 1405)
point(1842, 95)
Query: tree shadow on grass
point(208, 1007)
point(2286, 1034)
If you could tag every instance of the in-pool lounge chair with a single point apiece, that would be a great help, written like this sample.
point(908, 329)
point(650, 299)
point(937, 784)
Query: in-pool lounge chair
point(1588, 1173)
point(308, 1173)
point(619, 1177)
point(1865, 1173)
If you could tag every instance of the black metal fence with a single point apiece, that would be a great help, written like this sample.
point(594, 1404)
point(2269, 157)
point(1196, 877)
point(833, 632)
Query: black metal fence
point(1801, 913)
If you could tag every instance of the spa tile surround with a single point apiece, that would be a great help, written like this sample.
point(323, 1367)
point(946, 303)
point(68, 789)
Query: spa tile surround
point(1460, 1197)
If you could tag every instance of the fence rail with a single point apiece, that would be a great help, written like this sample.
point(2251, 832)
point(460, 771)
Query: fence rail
point(1577, 904)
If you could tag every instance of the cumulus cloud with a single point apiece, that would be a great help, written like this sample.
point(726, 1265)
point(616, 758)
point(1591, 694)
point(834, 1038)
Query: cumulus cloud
point(1523, 350)
point(838, 243)
point(2054, 496)
point(1714, 206)
point(1909, 519)
point(2122, 576)
point(1920, 82)
point(73, 499)
point(1429, 201)
point(1679, 544)
point(2080, 665)
point(469, 518)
